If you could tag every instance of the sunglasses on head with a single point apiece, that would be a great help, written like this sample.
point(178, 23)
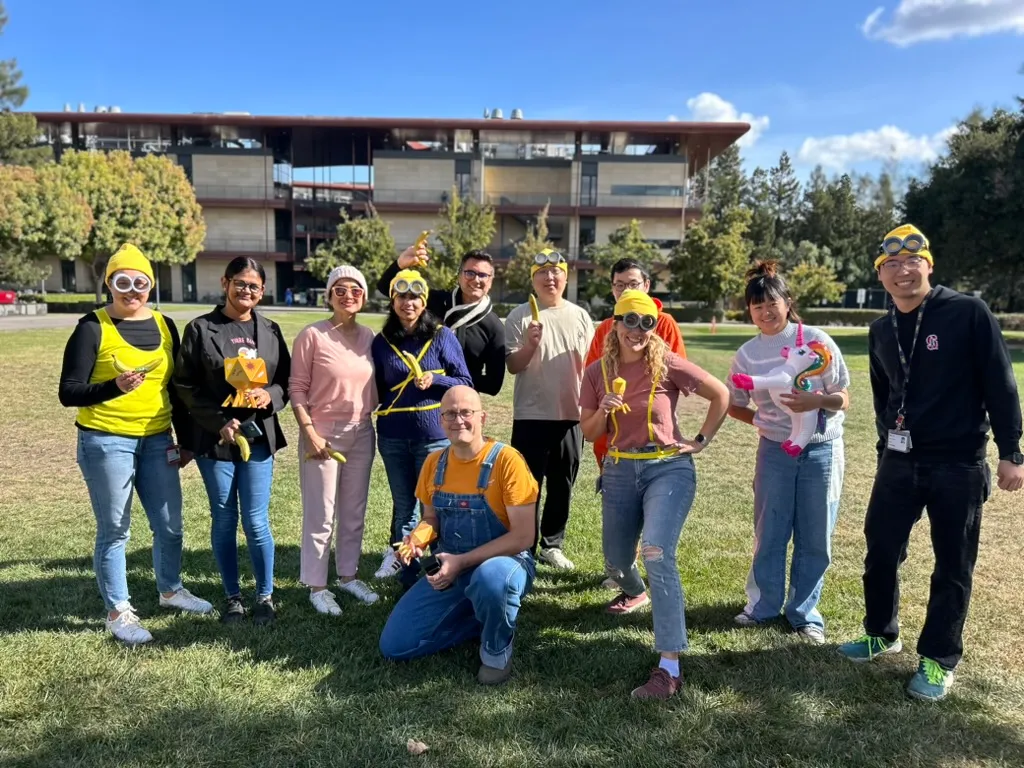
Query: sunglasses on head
point(634, 320)
point(548, 257)
point(123, 283)
point(415, 287)
point(341, 291)
point(911, 244)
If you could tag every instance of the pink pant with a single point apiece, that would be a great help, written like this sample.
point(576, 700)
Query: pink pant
point(334, 501)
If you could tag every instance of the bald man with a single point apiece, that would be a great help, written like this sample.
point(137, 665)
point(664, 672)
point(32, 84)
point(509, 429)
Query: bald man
point(479, 503)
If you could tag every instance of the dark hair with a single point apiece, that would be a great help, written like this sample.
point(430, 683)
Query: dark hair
point(764, 283)
point(624, 265)
point(477, 256)
point(240, 264)
point(425, 329)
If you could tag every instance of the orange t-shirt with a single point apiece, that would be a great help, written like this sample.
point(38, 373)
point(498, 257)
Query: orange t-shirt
point(511, 483)
point(666, 329)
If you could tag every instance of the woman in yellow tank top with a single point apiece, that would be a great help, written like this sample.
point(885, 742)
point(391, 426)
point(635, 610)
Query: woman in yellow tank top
point(117, 370)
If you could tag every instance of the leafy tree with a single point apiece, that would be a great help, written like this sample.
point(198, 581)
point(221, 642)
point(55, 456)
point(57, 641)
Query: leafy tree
point(17, 132)
point(147, 202)
point(710, 263)
point(40, 216)
point(465, 226)
point(626, 242)
point(723, 185)
point(364, 243)
point(517, 273)
point(784, 197)
point(790, 255)
point(812, 284)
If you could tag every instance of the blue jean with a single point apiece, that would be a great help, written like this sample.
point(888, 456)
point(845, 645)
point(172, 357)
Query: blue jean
point(482, 603)
point(241, 486)
point(403, 459)
point(652, 497)
point(799, 499)
point(112, 467)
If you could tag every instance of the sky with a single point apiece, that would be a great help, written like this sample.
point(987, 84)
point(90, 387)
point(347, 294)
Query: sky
point(847, 84)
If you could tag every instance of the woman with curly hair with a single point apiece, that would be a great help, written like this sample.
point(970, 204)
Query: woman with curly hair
point(649, 481)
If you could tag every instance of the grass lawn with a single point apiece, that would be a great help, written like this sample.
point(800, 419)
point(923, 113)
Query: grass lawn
point(313, 690)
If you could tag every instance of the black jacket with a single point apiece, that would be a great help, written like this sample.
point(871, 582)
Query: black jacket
point(199, 379)
point(961, 376)
point(483, 343)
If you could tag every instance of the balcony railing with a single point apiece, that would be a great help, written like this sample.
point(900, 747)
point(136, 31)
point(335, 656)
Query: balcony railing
point(241, 192)
point(248, 244)
point(530, 199)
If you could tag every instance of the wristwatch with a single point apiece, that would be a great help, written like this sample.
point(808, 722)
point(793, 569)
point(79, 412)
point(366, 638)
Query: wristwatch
point(1014, 458)
point(699, 438)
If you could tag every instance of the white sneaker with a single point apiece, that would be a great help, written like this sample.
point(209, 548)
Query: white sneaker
point(556, 559)
point(390, 566)
point(359, 590)
point(745, 620)
point(127, 629)
point(324, 602)
point(184, 600)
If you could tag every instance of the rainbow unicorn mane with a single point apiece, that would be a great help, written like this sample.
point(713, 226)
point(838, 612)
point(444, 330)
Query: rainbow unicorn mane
point(803, 381)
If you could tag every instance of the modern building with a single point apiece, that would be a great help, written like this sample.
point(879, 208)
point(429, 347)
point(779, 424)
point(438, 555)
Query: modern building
point(273, 187)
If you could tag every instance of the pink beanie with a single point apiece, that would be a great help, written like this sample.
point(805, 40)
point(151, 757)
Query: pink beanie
point(349, 272)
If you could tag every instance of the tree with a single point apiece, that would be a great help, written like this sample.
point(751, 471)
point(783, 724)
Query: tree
point(709, 265)
point(18, 133)
point(811, 284)
point(970, 207)
point(517, 273)
point(790, 255)
point(365, 243)
point(465, 226)
point(626, 242)
point(784, 197)
point(40, 216)
point(147, 202)
point(762, 232)
point(724, 184)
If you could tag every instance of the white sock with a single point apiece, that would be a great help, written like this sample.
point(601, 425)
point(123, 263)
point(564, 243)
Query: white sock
point(670, 665)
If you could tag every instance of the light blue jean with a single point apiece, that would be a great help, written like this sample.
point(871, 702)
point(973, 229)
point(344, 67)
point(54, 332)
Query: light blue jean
point(241, 487)
point(113, 466)
point(403, 459)
point(799, 499)
point(652, 497)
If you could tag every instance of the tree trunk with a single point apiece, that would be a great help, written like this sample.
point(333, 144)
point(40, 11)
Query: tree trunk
point(98, 268)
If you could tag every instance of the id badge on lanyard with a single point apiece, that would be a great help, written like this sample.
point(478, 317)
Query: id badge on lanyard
point(899, 438)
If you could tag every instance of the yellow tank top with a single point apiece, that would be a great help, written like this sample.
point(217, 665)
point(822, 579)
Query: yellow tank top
point(145, 411)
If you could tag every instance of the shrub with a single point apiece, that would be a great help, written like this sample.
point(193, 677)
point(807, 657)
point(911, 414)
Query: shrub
point(1008, 322)
point(694, 314)
point(840, 316)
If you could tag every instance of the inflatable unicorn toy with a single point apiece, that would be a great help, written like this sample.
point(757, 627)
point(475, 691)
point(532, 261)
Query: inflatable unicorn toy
point(802, 363)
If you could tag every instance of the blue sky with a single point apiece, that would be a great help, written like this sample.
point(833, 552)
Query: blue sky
point(838, 82)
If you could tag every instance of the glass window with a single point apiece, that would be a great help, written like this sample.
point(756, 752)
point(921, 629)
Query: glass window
point(639, 190)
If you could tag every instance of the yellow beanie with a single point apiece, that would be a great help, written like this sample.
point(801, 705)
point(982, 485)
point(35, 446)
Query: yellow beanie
point(903, 232)
point(633, 300)
point(562, 265)
point(129, 257)
point(410, 276)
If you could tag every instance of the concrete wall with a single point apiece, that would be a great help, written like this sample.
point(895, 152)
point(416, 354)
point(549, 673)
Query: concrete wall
point(240, 229)
point(238, 177)
point(654, 228)
point(507, 230)
point(652, 174)
point(412, 180)
point(523, 185)
point(406, 227)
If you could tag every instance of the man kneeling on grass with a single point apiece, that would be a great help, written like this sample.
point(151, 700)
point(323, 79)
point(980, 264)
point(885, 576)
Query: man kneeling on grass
point(479, 512)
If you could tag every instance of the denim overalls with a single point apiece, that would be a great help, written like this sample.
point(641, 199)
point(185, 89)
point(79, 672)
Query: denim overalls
point(482, 601)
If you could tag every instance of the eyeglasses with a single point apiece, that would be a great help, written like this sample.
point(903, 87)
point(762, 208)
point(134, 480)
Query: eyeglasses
point(911, 262)
point(472, 274)
point(548, 256)
point(415, 287)
point(123, 283)
point(632, 285)
point(912, 243)
point(241, 286)
point(465, 414)
point(341, 291)
point(634, 320)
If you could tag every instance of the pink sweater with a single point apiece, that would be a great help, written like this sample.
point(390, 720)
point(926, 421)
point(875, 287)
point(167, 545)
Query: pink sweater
point(332, 375)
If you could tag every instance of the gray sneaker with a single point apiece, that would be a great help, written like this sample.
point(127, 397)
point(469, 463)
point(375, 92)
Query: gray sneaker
point(812, 634)
point(494, 675)
point(556, 558)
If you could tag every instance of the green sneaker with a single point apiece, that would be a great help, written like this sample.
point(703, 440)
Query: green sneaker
point(931, 682)
point(868, 647)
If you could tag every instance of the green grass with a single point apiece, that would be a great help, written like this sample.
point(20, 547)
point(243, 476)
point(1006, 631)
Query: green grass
point(313, 690)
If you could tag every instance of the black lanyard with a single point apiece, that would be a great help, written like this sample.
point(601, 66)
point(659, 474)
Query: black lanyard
point(904, 360)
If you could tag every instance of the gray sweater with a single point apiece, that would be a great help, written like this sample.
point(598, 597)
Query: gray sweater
point(760, 355)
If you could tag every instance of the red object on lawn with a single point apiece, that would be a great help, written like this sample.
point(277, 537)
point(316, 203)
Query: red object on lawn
point(8, 297)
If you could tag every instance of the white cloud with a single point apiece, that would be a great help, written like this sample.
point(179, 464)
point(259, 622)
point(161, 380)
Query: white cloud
point(712, 108)
point(915, 21)
point(886, 143)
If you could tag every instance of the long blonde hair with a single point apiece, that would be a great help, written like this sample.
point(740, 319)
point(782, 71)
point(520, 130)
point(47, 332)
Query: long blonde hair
point(654, 357)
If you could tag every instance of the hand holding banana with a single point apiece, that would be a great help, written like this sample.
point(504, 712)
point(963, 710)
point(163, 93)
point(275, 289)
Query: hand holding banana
point(619, 388)
point(229, 434)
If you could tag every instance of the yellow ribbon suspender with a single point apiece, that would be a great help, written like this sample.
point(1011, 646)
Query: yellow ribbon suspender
point(403, 384)
point(661, 453)
point(607, 390)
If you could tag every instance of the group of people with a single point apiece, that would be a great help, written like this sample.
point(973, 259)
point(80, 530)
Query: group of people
point(467, 526)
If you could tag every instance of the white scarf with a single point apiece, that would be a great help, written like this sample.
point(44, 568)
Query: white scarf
point(466, 314)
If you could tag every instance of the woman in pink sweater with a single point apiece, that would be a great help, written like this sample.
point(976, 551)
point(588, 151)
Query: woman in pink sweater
point(333, 392)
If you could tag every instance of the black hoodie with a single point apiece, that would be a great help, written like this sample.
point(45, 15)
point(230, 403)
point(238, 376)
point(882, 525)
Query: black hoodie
point(960, 377)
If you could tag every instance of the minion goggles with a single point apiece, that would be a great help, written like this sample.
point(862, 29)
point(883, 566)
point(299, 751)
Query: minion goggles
point(634, 320)
point(415, 287)
point(546, 258)
point(914, 243)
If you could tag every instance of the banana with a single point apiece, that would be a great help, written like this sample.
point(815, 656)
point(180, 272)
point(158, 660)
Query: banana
point(534, 309)
point(421, 241)
point(619, 388)
point(336, 455)
point(243, 446)
point(122, 368)
point(414, 364)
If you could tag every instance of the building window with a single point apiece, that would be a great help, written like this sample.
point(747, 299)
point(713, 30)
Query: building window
point(464, 177)
point(643, 190)
point(588, 184)
point(188, 282)
point(68, 280)
point(588, 232)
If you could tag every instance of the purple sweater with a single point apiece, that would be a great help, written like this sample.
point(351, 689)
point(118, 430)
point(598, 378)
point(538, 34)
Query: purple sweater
point(444, 354)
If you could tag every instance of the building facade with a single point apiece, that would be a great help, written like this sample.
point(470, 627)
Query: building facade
point(273, 187)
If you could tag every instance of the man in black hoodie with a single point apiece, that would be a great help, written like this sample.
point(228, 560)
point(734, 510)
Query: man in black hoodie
point(940, 374)
point(466, 310)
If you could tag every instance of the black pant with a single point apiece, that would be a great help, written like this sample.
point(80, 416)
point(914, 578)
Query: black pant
point(953, 494)
point(552, 451)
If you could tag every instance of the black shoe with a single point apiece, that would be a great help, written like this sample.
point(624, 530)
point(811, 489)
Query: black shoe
point(234, 610)
point(264, 613)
